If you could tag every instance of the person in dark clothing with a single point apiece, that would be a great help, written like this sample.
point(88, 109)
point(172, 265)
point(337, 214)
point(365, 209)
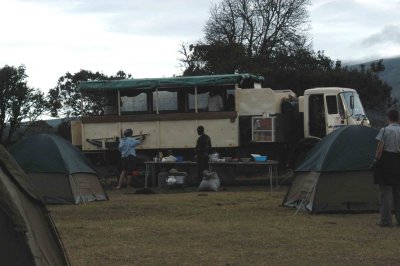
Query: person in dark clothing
point(202, 150)
point(388, 151)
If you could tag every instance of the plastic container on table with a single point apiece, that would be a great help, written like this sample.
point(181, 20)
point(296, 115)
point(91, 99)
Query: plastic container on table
point(260, 158)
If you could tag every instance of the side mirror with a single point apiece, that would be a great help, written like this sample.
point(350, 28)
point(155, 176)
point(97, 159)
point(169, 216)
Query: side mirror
point(352, 101)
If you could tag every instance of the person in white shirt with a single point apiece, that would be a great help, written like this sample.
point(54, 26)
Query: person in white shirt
point(215, 102)
point(388, 151)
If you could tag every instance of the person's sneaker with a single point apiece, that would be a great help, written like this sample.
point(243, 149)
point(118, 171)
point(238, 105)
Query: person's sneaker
point(383, 224)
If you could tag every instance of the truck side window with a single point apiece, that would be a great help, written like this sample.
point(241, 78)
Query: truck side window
point(134, 103)
point(331, 103)
point(202, 101)
point(167, 101)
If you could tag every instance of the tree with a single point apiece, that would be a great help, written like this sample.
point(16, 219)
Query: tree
point(26, 104)
point(66, 100)
point(304, 69)
point(18, 102)
point(211, 59)
point(244, 35)
point(262, 26)
point(269, 38)
point(375, 93)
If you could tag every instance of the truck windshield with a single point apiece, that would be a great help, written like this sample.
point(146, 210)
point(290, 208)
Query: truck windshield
point(358, 110)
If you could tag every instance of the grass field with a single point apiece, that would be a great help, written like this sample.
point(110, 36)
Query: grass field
point(239, 226)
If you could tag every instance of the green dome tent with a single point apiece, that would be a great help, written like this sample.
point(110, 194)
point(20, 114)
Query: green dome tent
point(60, 171)
point(28, 235)
point(335, 176)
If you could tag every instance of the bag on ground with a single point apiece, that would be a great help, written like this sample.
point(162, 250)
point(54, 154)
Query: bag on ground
point(210, 182)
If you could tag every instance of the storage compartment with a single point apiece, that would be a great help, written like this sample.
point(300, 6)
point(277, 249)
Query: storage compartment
point(263, 129)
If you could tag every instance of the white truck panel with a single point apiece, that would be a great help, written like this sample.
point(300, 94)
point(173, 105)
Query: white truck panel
point(223, 132)
point(99, 131)
point(255, 101)
point(260, 100)
point(167, 134)
point(301, 104)
point(76, 132)
point(177, 134)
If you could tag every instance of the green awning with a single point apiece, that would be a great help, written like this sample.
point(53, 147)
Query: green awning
point(174, 82)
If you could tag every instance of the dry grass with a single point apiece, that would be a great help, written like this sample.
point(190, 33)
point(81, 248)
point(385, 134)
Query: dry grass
point(240, 226)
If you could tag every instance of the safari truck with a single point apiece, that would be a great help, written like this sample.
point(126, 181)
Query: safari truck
point(254, 119)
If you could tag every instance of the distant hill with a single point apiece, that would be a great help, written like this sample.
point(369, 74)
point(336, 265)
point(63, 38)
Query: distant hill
point(391, 74)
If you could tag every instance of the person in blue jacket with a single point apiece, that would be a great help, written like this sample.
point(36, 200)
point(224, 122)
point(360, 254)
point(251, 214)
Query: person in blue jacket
point(127, 147)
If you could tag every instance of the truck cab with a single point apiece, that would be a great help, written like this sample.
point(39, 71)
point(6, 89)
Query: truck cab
point(328, 108)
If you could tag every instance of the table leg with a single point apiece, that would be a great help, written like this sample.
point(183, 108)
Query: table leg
point(270, 177)
point(154, 173)
point(147, 175)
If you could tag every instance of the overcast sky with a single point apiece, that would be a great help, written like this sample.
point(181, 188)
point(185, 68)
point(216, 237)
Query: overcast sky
point(142, 37)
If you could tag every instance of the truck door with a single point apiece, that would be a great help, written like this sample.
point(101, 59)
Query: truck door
point(317, 122)
point(335, 117)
